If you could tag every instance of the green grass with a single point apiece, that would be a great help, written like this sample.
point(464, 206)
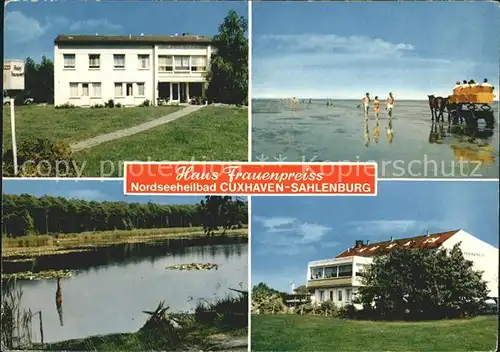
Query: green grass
point(76, 124)
point(212, 133)
point(314, 333)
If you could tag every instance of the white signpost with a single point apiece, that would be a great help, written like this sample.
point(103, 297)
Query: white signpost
point(13, 79)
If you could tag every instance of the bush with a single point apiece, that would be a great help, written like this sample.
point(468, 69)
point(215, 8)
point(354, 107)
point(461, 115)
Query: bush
point(145, 103)
point(97, 106)
point(65, 106)
point(40, 158)
point(109, 104)
point(118, 105)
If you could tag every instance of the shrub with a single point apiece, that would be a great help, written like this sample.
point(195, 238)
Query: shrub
point(65, 106)
point(40, 157)
point(145, 103)
point(109, 104)
point(97, 106)
point(118, 105)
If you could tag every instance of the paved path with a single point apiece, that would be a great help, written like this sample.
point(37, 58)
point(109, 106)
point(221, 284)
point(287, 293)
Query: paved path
point(103, 138)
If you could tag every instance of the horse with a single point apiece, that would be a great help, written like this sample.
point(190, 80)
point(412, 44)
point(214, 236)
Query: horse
point(438, 106)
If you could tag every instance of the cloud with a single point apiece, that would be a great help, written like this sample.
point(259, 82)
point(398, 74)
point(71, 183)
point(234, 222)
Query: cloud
point(86, 194)
point(343, 67)
point(397, 228)
point(86, 25)
point(21, 28)
point(273, 224)
point(288, 236)
point(337, 44)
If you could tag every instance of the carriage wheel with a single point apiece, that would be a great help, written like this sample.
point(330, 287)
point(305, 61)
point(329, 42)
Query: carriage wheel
point(471, 107)
point(490, 121)
point(485, 107)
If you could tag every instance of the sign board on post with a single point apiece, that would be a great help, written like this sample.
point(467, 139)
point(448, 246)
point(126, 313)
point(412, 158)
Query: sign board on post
point(13, 79)
point(13, 75)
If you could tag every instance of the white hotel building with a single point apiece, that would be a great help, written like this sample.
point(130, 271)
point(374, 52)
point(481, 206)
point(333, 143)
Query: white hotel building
point(90, 70)
point(338, 279)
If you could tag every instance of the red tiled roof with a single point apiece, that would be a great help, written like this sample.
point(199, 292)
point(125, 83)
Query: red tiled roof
point(134, 39)
point(427, 241)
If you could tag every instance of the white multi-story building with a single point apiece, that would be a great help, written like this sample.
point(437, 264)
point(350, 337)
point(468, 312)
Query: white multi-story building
point(90, 70)
point(338, 279)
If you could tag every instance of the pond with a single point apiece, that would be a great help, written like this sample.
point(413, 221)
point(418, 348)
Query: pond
point(114, 284)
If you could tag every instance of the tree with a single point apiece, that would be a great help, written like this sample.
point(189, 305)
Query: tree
point(228, 75)
point(223, 211)
point(422, 284)
point(39, 81)
point(302, 290)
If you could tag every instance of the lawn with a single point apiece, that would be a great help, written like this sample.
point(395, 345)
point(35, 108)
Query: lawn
point(314, 333)
point(76, 124)
point(212, 133)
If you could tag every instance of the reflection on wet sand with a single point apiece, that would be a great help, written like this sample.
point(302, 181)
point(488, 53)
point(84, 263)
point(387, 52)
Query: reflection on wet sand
point(389, 131)
point(467, 142)
point(59, 300)
point(366, 135)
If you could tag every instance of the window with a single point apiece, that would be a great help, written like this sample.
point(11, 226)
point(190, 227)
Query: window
point(345, 270)
point(182, 63)
point(119, 60)
point(431, 240)
point(331, 295)
point(330, 272)
point(118, 89)
point(373, 248)
point(316, 273)
point(130, 91)
point(94, 60)
point(165, 63)
point(348, 295)
point(339, 292)
point(359, 269)
point(96, 89)
point(391, 245)
point(321, 296)
point(140, 90)
point(69, 60)
point(85, 89)
point(407, 243)
point(73, 90)
point(143, 61)
point(198, 63)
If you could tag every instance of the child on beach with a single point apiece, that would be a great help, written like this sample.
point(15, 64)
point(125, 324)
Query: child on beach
point(376, 106)
point(366, 103)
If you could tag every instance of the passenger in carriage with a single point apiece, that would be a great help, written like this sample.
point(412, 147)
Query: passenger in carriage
point(465, 84)
point(486, 84)
point(472, 83)
point(457, 85)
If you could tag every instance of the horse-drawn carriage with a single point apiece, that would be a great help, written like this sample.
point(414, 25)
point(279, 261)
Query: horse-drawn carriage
point(467, 104)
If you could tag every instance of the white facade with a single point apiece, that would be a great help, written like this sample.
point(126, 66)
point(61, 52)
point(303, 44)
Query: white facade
point(90, 72)
point(338, 279)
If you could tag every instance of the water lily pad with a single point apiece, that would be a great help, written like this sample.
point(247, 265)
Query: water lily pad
point(193, 266)
point(42, 275)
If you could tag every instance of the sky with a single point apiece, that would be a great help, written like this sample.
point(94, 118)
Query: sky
point(88, 190)
point(341, 50)
point(288, 232)
point(30, 28)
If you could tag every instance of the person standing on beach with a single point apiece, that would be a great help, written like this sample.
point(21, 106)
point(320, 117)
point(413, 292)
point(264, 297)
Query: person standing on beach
point(390, 105)
point(376, 107)
point(366, 102)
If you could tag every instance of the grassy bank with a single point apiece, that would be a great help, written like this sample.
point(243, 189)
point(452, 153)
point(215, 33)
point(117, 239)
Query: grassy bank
point(212, 133)
point(315, 333)
point(72, 125)
point(219, 325)
point(35, 245)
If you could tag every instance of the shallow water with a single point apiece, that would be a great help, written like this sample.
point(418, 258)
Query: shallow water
point(418, 148)
point(109, 293)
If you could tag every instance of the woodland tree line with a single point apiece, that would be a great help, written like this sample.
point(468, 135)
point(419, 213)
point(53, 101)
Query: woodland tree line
point(25, 214)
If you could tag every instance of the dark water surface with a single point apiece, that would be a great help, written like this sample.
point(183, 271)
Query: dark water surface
point(115, 284)
point(418, 148)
